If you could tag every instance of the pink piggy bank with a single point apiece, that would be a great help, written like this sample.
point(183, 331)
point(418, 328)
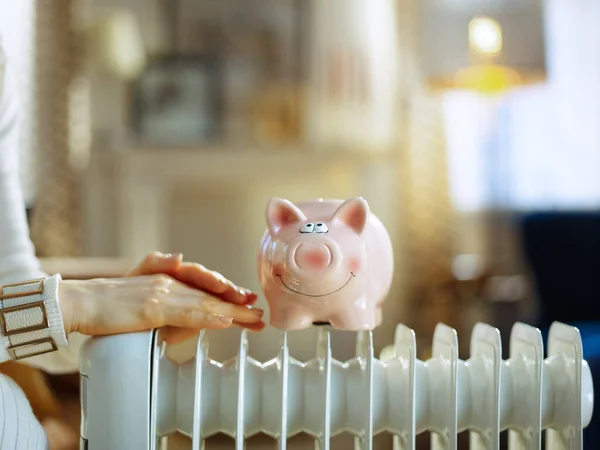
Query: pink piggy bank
point(325, 261)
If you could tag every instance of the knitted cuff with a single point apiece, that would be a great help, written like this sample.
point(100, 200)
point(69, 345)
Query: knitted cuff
point(30, 319)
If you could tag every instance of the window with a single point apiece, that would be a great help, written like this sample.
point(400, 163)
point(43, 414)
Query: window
point(535, 147)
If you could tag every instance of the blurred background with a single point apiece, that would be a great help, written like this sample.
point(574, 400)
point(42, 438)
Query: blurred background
point(471, 128)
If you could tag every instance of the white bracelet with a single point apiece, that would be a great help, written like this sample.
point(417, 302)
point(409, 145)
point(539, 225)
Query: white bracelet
point(31, 323)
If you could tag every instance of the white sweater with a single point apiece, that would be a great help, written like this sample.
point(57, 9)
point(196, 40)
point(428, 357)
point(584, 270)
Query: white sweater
point(19, 430)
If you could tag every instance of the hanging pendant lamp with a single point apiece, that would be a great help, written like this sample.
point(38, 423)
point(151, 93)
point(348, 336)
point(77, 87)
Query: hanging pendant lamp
point(483, 45)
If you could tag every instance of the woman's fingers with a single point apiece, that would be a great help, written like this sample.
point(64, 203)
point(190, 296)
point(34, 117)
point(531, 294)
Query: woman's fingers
point(239, 313)
point(179, 301)
point(251, 300)
point(192, 319)
point(157, 262)
point(194, 275)
point(199, 277)
point(186, 299)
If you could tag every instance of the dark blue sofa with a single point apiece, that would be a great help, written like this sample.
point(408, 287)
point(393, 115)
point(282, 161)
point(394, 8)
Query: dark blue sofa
point(563, 252)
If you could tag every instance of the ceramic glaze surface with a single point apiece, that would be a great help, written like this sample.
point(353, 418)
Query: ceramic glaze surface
point(325, 261)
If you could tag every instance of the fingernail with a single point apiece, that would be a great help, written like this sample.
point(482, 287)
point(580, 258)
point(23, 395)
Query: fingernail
point(174, 256)
point(243, 292)
point(259, 312)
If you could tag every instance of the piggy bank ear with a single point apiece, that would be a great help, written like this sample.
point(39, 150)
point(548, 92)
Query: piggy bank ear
point(281, 212)
point(353, 213)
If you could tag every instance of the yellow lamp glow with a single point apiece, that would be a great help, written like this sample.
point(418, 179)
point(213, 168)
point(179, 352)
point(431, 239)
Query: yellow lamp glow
point(487, 78)
point(488, 46)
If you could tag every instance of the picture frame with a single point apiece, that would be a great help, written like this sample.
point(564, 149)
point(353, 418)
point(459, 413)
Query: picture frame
point(178, 101)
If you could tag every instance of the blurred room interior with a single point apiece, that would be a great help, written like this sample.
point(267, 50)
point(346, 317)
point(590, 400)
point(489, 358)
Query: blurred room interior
point(471, 128)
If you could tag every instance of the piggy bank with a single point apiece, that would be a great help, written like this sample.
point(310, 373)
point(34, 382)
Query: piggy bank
point(324, 262)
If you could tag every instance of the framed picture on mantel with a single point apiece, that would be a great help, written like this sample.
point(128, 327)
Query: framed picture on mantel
point(177, 101)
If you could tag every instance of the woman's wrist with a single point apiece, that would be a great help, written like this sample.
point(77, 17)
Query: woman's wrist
point(68, 292)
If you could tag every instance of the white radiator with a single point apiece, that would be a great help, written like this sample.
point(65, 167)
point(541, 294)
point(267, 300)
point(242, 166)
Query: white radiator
point(132, 394)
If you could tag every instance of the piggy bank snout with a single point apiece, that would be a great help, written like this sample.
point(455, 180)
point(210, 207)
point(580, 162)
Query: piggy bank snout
point(312, 257)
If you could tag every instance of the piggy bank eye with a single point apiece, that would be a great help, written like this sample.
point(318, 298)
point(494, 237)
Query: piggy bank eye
point(308, 228)
point(321, 228)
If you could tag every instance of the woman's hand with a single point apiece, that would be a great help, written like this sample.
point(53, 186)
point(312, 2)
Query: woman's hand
point(195, 276)
point(163, 292)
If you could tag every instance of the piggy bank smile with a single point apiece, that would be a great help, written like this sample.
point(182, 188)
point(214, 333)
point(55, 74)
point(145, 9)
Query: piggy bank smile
point(296, 291)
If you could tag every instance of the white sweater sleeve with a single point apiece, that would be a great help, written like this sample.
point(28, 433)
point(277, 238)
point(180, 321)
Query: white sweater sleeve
point(19, 430)
point(18, 261)
point(17, 257)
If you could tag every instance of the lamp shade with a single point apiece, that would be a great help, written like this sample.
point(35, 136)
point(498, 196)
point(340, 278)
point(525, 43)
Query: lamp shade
point(485, 45)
